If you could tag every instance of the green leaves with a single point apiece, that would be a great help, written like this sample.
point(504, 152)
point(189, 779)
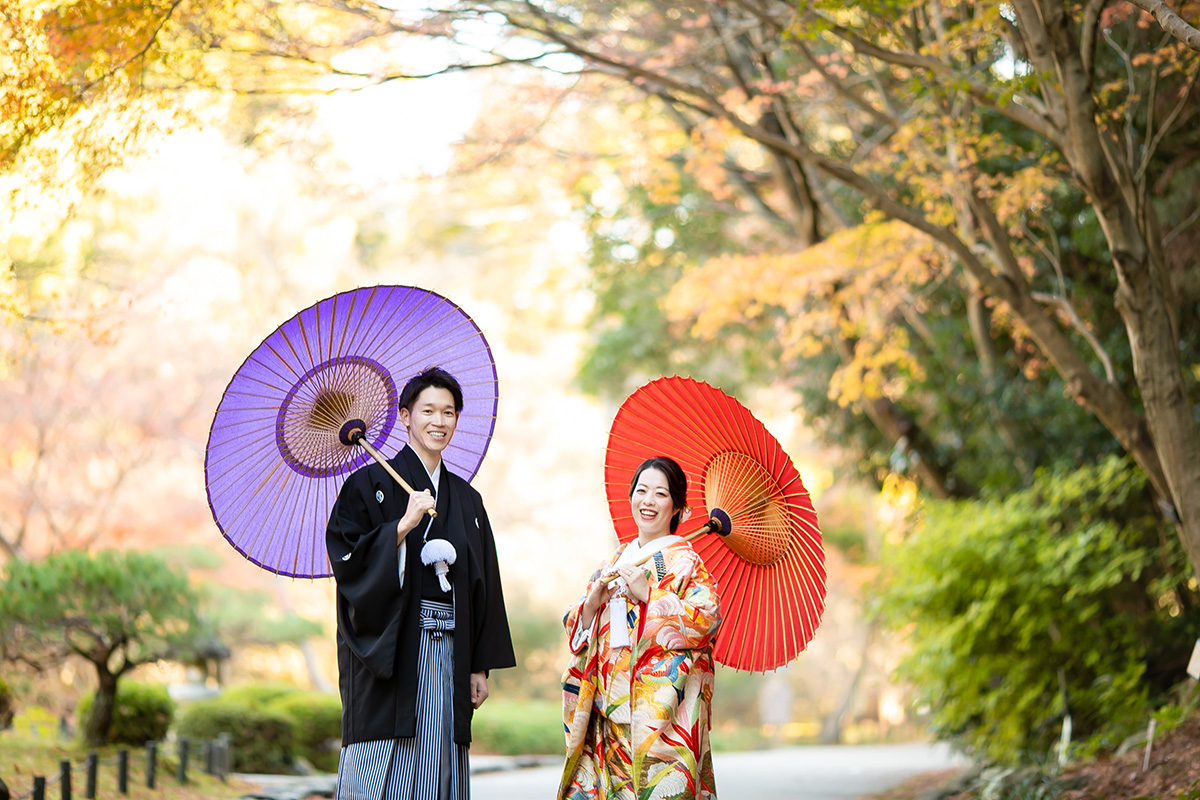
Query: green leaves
point(1056, 599)
point(117, 609)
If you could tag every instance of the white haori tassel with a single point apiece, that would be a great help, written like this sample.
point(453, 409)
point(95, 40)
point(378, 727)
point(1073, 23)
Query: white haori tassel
point(441, 554)
point(618, 605)
point(618, 614)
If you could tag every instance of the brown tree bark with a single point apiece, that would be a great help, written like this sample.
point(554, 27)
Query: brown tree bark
point(99, 719)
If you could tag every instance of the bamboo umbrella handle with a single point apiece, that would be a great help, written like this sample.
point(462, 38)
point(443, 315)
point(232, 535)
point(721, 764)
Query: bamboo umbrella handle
point(358, 436)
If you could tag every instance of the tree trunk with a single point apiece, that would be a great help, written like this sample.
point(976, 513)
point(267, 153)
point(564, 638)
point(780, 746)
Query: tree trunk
point(831, 726)
point(1160, 380)
point(99, 719)
point(1143, 292)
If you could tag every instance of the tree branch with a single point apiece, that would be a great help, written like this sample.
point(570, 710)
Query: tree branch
point(141, 52)
point(1152, 148)
point(1087, 38)
point(1013, 110)
point(1077, 323)
point(1171, 22)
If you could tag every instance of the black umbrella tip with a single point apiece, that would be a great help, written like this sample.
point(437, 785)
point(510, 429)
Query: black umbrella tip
point(352, 430)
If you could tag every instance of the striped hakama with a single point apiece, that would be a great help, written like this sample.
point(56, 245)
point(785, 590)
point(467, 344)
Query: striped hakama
point(428, 766)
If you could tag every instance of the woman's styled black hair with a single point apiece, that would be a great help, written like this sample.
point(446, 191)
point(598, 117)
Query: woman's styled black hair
point(676, 483)
point(430, 376)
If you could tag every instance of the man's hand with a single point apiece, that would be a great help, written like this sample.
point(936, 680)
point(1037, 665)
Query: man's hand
point(479, 690)
point(419, 504)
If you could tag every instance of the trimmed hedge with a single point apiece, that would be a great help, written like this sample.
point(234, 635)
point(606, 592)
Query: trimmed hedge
point(142, 713)
point(317, 724)
point(263, 739)
point(259, 694)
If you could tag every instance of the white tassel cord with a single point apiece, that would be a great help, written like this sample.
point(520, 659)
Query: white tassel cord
point(441, 554)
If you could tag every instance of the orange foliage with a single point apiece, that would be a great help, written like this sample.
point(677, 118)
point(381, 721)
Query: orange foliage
point(849, 287)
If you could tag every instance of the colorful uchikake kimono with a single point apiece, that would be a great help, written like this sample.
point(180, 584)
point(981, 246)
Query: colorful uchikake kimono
point(637, 698)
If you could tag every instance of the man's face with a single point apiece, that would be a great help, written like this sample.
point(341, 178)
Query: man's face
point(431, 422)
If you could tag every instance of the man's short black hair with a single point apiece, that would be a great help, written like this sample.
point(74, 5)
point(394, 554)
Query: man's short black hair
point(430, 376)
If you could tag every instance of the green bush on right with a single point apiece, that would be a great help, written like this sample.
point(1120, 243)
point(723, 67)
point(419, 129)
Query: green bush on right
point(1069, 597)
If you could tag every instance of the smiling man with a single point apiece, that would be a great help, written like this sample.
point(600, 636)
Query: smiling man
point(420, 612)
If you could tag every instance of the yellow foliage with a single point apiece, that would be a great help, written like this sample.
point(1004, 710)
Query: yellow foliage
point(901, 500)
point(730, 288)
point(707, 157)
point(848, 287)
point(880, 367)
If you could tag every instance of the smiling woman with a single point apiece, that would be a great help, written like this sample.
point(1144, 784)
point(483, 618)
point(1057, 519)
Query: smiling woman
point(637, 696)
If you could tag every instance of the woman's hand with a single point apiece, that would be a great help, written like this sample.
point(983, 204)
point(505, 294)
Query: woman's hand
point(597, 595)
point(419, 504)
point(637, 581)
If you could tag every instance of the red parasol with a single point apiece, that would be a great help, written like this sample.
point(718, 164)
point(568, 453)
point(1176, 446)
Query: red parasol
point(766, 554)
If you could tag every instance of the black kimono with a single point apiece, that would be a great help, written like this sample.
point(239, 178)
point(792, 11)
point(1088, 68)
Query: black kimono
point(378, 620)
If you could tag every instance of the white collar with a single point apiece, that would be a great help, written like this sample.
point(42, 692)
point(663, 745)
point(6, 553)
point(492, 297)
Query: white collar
point(636, 552)
point(434, 476)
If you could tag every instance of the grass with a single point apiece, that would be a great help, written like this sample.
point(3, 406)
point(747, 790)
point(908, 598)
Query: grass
point(518, 727)
point(23, 757)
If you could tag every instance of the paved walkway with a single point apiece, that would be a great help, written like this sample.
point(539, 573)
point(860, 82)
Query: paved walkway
point(791, 773)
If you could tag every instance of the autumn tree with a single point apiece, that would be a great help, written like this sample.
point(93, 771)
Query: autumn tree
point(966, 122)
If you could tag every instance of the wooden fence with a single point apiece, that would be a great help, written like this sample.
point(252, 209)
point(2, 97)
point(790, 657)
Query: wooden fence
point(217, 758)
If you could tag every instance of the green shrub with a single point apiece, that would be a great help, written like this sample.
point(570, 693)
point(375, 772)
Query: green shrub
point(259, 694)
point(7, 705)
point(317, 724)
point(37, 722)
point(143, 713)
point(262, 739)
point(1070, 595)
point(518, 728)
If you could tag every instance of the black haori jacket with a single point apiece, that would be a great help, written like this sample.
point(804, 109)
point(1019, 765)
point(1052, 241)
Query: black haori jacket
point(378, 622)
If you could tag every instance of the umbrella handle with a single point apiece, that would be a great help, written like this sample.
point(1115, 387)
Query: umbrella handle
point(361, 440)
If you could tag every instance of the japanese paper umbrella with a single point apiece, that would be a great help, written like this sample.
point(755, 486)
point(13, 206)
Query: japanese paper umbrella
point(318, 398)
point(757, 532)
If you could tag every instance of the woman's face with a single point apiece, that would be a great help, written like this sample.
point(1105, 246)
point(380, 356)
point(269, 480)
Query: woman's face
point(651, 503)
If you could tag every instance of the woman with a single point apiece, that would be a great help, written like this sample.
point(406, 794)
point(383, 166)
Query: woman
point(638, 694)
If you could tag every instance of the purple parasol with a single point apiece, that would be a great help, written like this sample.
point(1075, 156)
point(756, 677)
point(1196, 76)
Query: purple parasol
point(278, 453)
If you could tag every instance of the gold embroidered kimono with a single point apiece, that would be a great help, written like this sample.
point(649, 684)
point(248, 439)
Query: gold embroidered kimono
point(637, 717)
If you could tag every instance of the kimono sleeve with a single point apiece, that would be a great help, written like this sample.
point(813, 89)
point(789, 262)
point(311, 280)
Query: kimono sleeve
point(577, 635)
point(492, 648)
point(362, 555)
point(683, 611)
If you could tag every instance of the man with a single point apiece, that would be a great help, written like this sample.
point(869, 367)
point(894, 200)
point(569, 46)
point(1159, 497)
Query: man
point(413, 657)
